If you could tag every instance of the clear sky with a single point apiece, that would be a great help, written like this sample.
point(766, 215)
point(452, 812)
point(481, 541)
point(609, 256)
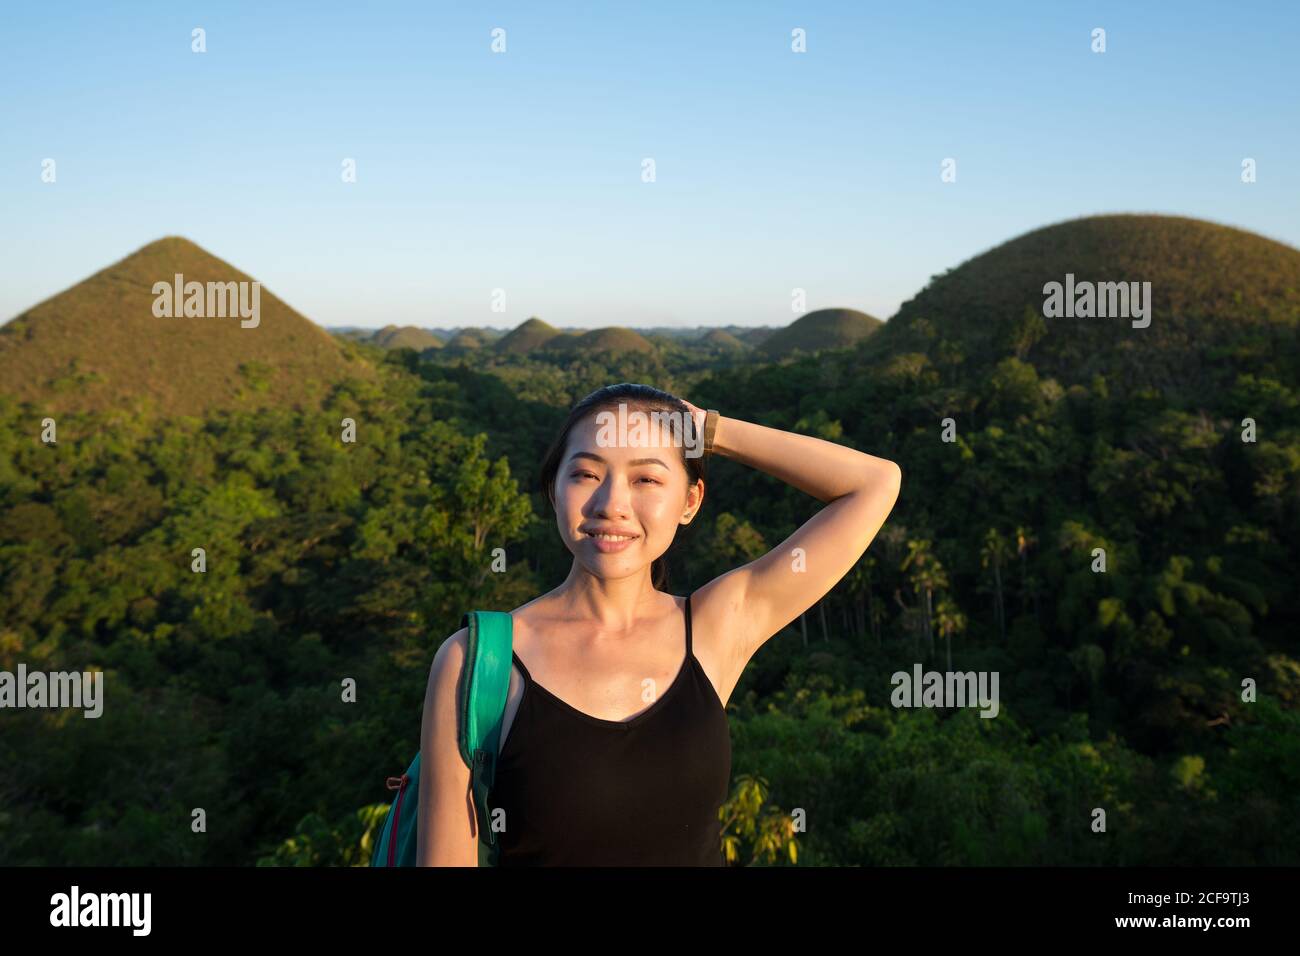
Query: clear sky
point(522, 170)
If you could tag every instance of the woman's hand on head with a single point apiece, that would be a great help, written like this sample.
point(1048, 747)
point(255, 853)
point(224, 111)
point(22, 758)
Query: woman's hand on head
point(697, 415)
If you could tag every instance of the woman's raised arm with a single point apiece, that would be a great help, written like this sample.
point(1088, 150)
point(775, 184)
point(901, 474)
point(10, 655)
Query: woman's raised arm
point(761, 597)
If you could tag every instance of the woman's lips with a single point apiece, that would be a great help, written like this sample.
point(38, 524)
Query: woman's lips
point(608, 545)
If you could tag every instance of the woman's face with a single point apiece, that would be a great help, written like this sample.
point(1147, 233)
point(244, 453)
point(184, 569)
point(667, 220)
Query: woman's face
point(637, 489)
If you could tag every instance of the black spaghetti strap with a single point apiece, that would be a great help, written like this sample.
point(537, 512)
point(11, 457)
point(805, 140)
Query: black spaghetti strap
point(688, 627)
point(528, 678)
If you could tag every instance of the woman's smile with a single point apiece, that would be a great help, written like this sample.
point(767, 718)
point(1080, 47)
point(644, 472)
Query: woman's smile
point(610, 543)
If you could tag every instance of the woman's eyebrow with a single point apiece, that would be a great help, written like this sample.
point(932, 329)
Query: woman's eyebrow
point(635, 461)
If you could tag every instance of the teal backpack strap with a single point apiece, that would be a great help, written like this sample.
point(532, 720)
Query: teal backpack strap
point(482, 704)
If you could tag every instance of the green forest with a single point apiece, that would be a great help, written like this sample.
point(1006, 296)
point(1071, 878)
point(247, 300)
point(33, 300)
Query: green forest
point(1163, 689)
point(329, 560)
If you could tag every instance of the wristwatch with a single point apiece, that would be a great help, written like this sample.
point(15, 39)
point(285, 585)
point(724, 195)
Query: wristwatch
point(710, 426)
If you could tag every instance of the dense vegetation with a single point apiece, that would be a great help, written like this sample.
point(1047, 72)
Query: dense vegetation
point(326, 560)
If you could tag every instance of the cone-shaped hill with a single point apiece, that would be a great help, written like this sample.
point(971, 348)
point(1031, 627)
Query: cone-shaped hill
point(467, 339)
point(98, 345)
point(723, 340)
point(822, 329)
point(406, 336)
point(1213, 289)
point(612, 339)
point(525, 337)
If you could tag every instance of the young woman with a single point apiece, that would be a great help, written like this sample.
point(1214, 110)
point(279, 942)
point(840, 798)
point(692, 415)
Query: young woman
point(615, 746)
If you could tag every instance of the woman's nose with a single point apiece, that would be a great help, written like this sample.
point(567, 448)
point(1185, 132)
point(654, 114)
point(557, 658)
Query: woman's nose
point(612, 499)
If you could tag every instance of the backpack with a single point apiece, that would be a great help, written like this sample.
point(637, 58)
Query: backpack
point(481, 702)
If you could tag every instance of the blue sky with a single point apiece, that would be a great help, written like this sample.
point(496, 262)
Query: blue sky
point(522, 170)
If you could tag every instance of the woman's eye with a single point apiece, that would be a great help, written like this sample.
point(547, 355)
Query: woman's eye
point(587, 474)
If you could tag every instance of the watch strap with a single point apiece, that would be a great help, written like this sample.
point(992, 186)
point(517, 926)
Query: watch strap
point(710, 426)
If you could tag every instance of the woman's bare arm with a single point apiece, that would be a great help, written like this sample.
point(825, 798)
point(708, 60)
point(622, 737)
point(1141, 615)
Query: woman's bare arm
point(760, 598)
point(447, 834)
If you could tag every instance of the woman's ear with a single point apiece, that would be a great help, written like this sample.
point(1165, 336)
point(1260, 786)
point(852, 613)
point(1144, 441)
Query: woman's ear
point(693, 505)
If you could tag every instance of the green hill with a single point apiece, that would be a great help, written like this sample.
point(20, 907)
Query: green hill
point(822, 329)
point(353, 333)
point(756, 336)
point(723, 341)
point(98, 345)
point(612, 339)
point(406, 336)
point(1214, 290)
point(525, 337)
point(468, 339)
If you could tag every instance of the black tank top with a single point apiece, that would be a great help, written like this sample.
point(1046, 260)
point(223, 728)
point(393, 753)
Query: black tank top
point(579, 790)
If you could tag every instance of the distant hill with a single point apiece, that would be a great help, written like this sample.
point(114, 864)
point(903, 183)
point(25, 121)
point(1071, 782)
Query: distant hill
point(355, 333)
point(613, 339)
point(535, 335)
point(661, 341)
point(469, 339)
point(98, 345)
point(720, 339)
point(822, 329)
point(525, 337)
point(406, 336)
point(563, 342)
point(1213, 288)
point(756, 337)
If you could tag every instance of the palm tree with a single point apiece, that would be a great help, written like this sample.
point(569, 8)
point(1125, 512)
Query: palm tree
point(1025, 541)
point(927, 576)
point(863, 598)
point(949, 621)
point(995, 552)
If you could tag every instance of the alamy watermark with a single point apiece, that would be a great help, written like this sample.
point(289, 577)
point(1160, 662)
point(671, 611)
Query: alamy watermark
point(946, 689)
point(55, 689)
point(632, 429)
point(1086, 300)
point(102, 909)
point(213, 300)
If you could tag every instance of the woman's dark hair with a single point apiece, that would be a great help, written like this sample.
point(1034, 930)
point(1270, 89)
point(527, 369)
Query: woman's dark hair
point(642, 398)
